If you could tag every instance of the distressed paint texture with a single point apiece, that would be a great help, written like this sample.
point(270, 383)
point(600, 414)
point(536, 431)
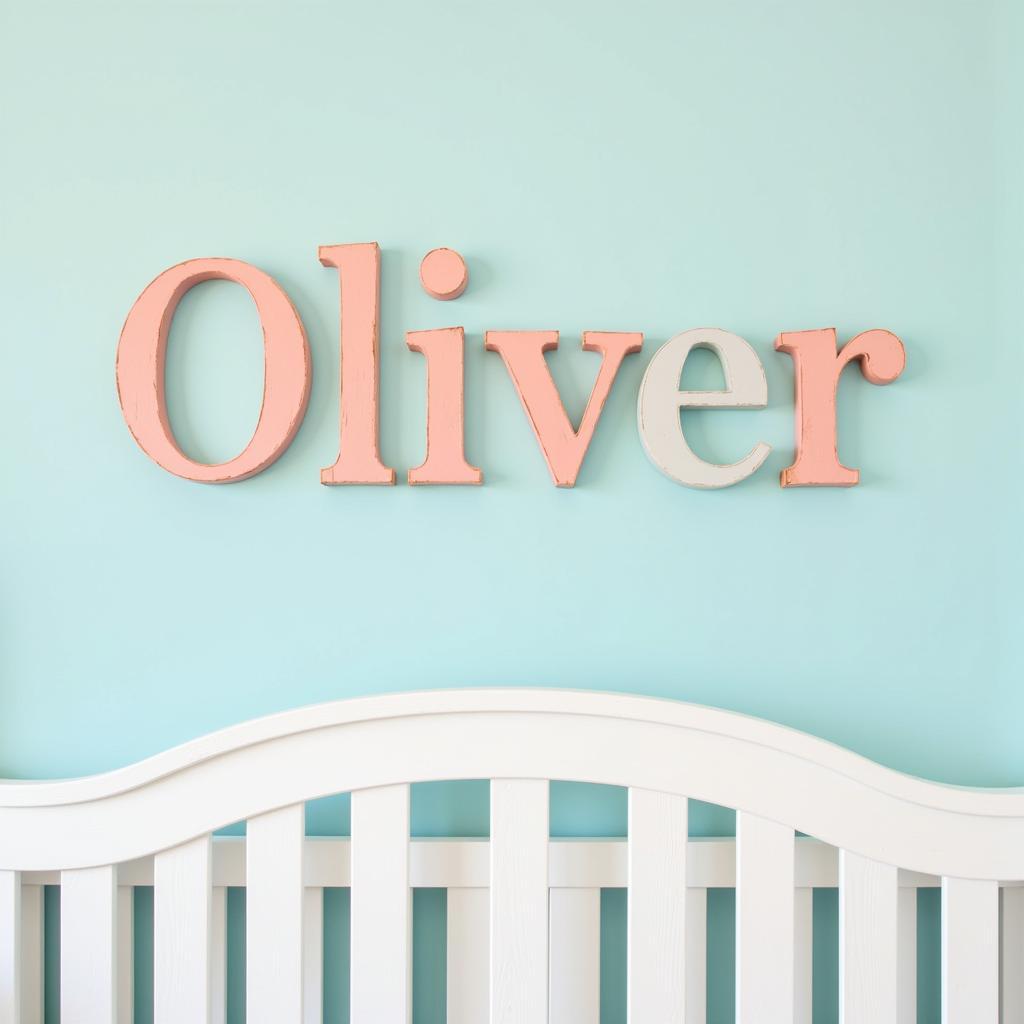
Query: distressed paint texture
point(444, 274)
point(358, 461)
point(142, 352)
point(446, 460)
point(562, 445)
point(817, 368)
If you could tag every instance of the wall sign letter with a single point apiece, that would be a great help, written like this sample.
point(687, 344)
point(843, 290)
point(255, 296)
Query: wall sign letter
point(523, 352)
point(141, 354)
point(817, 368)
point(446, 460)
point(358, 461)
point(660, 399)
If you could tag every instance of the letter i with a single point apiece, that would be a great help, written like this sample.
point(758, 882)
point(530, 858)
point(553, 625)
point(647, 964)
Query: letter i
point(444, 276)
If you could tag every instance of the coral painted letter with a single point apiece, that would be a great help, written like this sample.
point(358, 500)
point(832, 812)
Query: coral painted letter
point(523, 351)
point(817, 366)
point(358, 461)
point(141, 355)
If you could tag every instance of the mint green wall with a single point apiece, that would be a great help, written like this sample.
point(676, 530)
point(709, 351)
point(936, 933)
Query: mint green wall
point(760, 166)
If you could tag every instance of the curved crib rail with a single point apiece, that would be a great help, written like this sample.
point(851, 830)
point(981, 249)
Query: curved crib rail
point(160, 814)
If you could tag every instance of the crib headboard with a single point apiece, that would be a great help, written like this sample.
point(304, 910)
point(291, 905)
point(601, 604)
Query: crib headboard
point(523, 910)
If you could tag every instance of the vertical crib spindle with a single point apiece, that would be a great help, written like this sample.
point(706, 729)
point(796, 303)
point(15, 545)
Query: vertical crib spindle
point(868, 949)
point(273, 917)
point(656, 907)
point(764, 921)
point(182, 930)
point(313, 955)
point(31, 954)
point(125, 955)
point(219, 955)
point(468, 946)
point(519, 901)
point(970, 951)
point(88, 939)
point(803, 956)
point(10, 946)
point(1012, 947)
point(575, 971)
point(381, 971)
point(696, 956)
point(907, 967)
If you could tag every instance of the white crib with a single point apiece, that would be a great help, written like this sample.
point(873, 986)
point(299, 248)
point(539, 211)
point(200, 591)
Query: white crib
point(523, 913)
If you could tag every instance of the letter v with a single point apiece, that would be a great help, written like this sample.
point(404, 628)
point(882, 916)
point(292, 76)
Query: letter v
point(563, 447)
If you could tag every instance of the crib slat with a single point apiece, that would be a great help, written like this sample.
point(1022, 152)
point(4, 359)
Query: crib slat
point(21, 950)
point(696, 956)
point(468, 944)
point(803, 956)
point(313, 955)
point(868, 952)
point(1012, 946)
point(970, 951)
point(31, 954)
point(381, 972)
point(575, 962)
point(88, 946)
point(10, 946)
point(519, 901)
point(907, 959)
point(273, 917)
point(182, 897)
point(125, 955)
point(219, 955)
point(656, 907)
point(764, 921)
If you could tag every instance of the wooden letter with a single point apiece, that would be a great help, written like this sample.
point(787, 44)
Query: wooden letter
point(446, 460)
point(523, 351)
point(358, 459)
point(659, 402)
point(817, 367)
point(141, 355)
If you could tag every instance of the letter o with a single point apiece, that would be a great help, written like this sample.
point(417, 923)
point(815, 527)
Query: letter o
point(142, 350)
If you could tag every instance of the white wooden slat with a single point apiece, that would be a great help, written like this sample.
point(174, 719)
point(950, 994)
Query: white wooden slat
point(575, 963)
point(970, 951)
point(519, 901)
point(803, 956)
point(764, 921)
point(656, 908)
point(88, 946)
point(381, 971)
point(10, 946)
point(125, 955)
point(906, 980)
point(219, 955)
point(32, 930)
point(313, 955)
point(273, 917)
point(182, 902)
point(1011, 924)
point(468, 928)
point(696, 956)
point(868, 948)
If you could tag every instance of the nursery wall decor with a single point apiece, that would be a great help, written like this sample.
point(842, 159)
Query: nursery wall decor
point(818, 363)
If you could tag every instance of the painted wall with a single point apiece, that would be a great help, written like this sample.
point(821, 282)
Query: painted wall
point(655, 166)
